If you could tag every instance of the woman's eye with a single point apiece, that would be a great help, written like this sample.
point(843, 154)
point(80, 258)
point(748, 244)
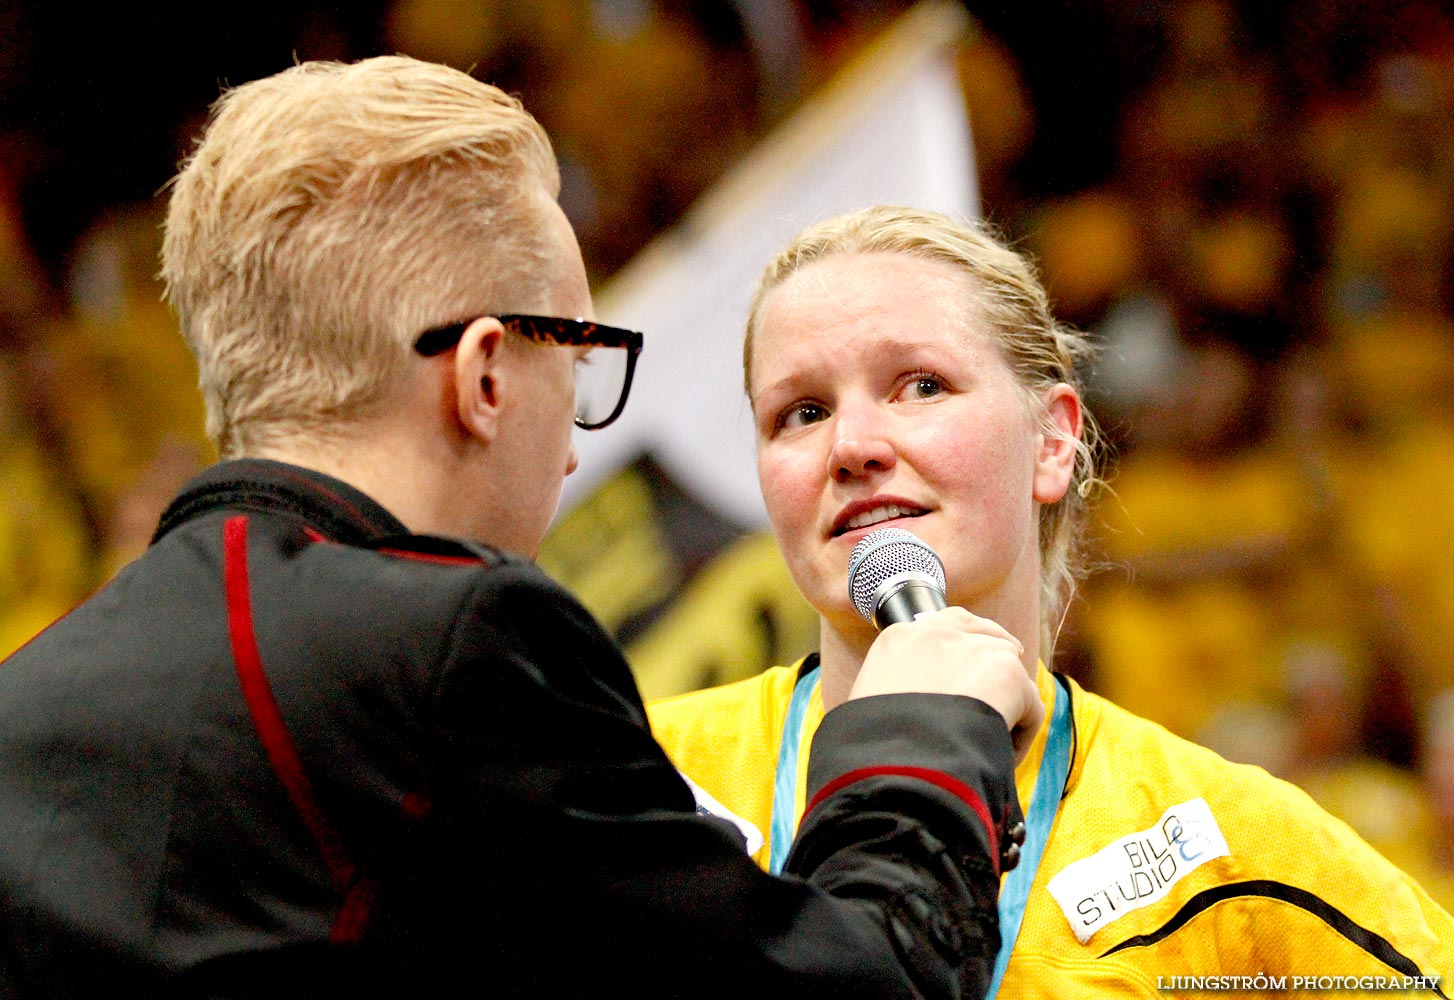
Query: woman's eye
point(921, 385)
point(800, 415)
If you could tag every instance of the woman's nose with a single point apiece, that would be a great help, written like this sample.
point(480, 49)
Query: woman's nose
point(861, 446)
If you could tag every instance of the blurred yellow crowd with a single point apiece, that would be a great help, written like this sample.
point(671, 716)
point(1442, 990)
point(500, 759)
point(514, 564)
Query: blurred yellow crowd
point(1268, 267)
point(1270, 271)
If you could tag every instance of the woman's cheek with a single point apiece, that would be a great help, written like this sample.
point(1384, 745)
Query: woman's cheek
point(790, 497)
point(785, 496)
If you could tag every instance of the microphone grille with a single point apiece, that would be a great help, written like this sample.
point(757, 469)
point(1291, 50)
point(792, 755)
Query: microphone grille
point(884, 553)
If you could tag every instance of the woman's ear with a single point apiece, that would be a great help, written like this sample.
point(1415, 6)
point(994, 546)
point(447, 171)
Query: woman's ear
point(478, 370)
point(1056, 451)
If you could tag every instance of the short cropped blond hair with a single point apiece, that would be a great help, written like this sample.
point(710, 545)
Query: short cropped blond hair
point(331, 213)
point(1040, 352)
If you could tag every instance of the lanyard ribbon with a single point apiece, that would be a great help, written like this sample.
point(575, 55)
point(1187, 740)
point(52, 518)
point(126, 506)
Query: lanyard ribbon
point(785, 788)
point(1044, 802)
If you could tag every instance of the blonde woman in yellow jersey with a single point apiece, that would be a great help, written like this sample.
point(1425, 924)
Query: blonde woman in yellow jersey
point(904, 370)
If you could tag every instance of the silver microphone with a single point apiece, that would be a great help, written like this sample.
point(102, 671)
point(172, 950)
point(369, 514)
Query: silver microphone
point(894, 577)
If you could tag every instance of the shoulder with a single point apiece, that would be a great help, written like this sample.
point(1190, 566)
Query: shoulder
point(403, 598)
point(502, 607)
point(1116, 741)
point(1117, 746)
point(745, 709)
point(1140, 794)
point(503, 633)
point(728, 737)
point(414, 572)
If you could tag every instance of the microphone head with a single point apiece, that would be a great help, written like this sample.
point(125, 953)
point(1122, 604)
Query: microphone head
point(885, 553)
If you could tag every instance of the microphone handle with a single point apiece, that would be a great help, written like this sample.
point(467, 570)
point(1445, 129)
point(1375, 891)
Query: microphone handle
point(910, 596)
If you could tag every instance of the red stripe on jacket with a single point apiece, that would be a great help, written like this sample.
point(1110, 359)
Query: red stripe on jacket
point(950, 784)
point(277, 740)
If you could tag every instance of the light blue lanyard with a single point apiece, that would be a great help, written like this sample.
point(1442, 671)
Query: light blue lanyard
point(1049, 786)
point(785, 789)
point(1044, 802)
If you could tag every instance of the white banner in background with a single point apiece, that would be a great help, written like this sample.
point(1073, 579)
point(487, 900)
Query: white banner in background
point(891, 128)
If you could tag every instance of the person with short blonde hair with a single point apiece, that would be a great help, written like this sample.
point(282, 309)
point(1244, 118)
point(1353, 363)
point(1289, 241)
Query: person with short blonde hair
point(334, 733)
point(905, 373)
point(305, 249)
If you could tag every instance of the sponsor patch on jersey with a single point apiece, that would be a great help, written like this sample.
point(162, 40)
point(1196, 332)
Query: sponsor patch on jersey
point(1138, 869)
point(708, 805)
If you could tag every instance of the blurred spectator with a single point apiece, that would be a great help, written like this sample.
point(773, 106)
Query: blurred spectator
point(1328, 695)
point(47, 542)
point(1435, 868)
point(1001, 117)
point(646, 121)
point(1090, 246)
point(121, 343)
point(46, 550)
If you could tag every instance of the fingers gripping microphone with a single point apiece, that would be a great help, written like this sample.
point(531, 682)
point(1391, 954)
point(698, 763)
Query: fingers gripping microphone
point(893, 577)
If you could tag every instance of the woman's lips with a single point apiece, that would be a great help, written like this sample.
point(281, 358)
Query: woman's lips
point(874, 512)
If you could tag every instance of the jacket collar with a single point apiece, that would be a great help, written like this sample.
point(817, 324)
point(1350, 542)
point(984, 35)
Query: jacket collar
point(338, 510)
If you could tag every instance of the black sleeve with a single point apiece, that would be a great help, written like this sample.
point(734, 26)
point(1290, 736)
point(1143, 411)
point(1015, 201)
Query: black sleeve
point(565, 850)
point(911, 800)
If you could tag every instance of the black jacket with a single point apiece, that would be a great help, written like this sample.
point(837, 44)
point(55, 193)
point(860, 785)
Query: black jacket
point(294, 750)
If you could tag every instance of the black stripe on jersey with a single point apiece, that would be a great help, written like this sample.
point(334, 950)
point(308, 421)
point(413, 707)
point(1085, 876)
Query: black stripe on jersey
point(810, 663)
point(1301, 898)
point(1064, 683)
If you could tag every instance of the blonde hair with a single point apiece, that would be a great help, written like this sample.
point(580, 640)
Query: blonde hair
point(1040, 353)
point(331, 213)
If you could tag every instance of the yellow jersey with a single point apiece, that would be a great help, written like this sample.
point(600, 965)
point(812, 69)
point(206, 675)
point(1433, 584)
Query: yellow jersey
point(1165, 869)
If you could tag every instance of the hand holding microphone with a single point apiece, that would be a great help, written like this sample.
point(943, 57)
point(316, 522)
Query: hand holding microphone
point(897, 583)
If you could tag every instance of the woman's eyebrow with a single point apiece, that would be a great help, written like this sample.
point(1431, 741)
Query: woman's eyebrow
point(886, 345)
